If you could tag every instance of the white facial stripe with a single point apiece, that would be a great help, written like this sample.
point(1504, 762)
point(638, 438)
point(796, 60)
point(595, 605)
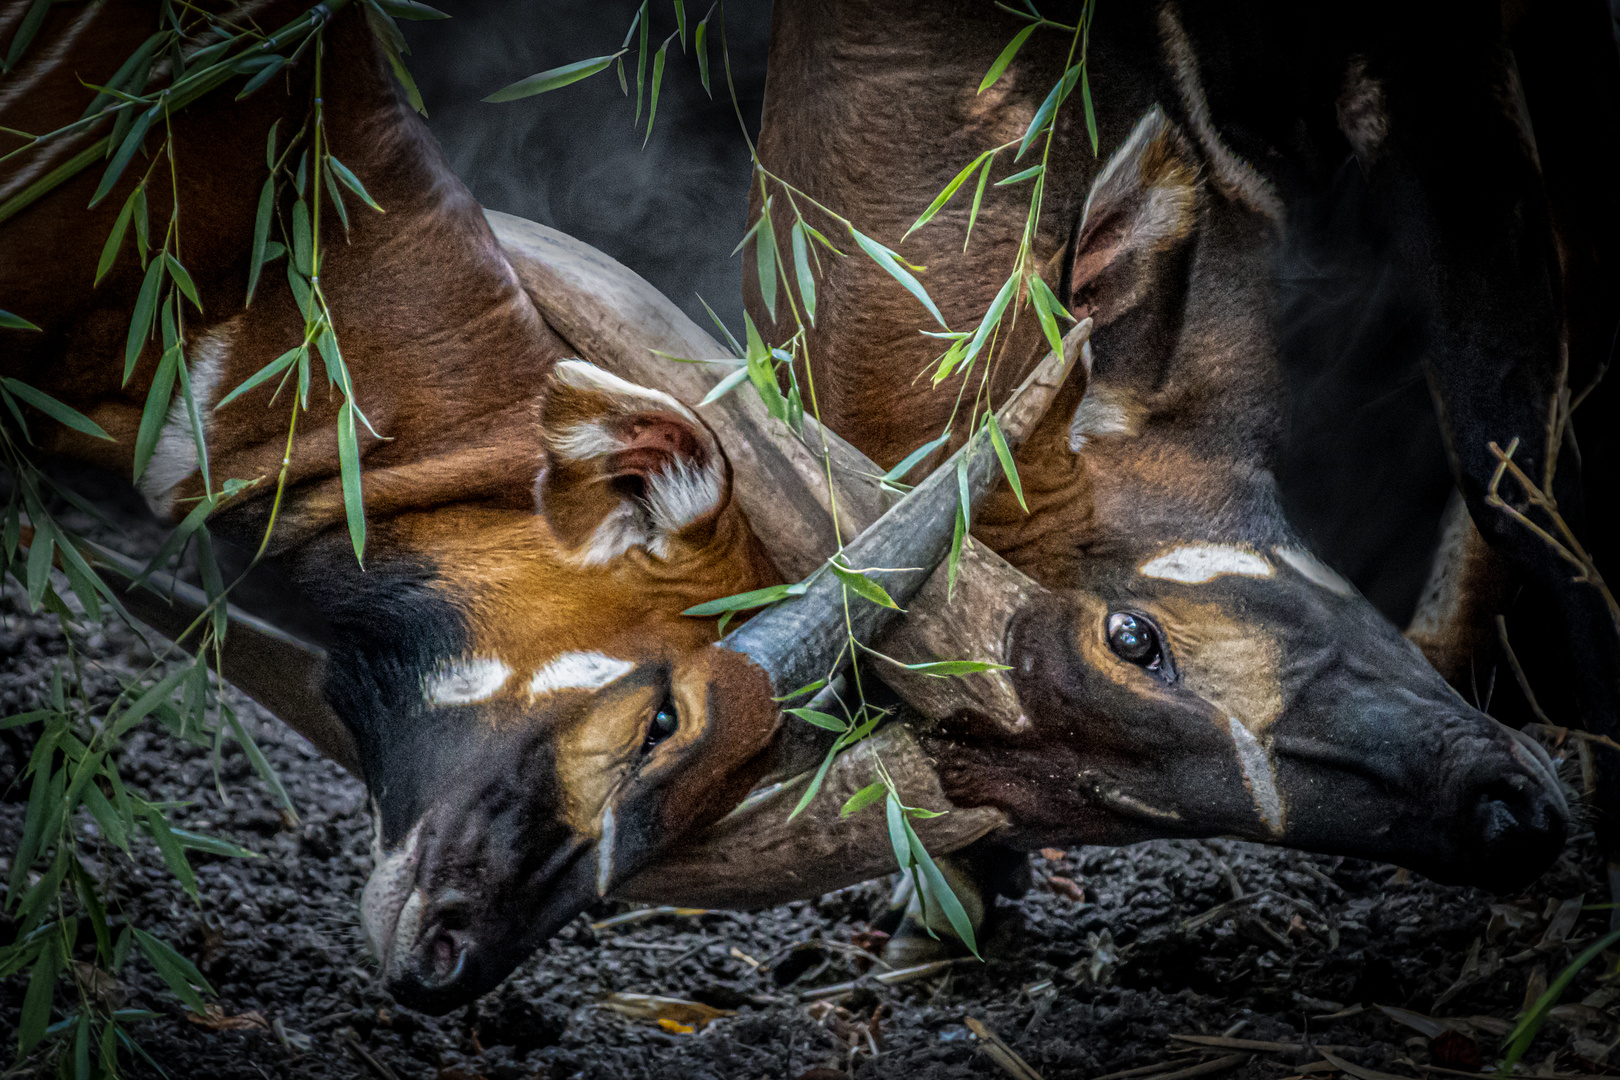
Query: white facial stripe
point(1258, 775)
point(175, 456)
point(1315, 570)
point(577, 671)
point(465, 682)
point(1194, 564)
point(604, 853)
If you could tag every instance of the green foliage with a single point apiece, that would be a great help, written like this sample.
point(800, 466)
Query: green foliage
point(80, 812)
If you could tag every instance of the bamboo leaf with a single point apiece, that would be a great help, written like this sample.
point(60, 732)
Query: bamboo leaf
point(213, 845)
point(40, 553)
point(154, 696)
point(554, 78)
point(863, 798)
point(303, 241)
point(762, 373)
point(815, 784)
point(978, 197)
point(126, 150)
point(725, 386)
point(261, 231)
point(256, 758)
point(29, 26)
point(352, 182)
point(912, 459)
point(945, 669)
point(819, 719)
point(680, 22)
point(142, 230)
point(1020, 177)
point(947, 193)
point(991, 319)
point(1047, 309)
point(179, 973)
point(56, 410)
point(657, 81)
point(643, 18)
point(1091, 115)
point(269, 371)
point(700, 45)
point(36, 1009)
point(897, 832)
point(336, 197)
point(863, 586)
point(9, 321)
point(1008, 466)
point(115, 239)
point(174, 856)
point(349, 463)
point(106, 817)
point(942, 894)
point(886, 259)
point(265, 73)
point(744, 601)
point(1006, 57)
point(960, 531)
point(410, 9)
point(156, 411)
point(765, 258)
point(1043, 115)
point(801, 269)
point(1524, 1033)
point(182, 278)
point(140, 323)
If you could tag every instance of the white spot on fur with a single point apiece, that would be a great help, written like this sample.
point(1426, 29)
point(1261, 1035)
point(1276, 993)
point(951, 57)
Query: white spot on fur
point(387, 894)
point(1194, 564)
point(174, 458)
point(604, 853)
point(1361, 111)
point(577, 671)
point(1236, 177)
point(465, 682)
point(1101, 412)
point(1315, 570)
point(1258, 774)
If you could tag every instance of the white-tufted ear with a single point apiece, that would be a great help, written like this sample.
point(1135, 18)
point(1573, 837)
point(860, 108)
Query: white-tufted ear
point(626, 466)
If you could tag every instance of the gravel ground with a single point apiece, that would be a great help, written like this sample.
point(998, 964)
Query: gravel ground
point(1112, 954)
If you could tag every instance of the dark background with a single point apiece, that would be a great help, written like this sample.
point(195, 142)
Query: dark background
point(573, 158)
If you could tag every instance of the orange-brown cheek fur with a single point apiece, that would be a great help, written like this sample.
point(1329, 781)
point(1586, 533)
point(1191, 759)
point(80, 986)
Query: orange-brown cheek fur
point(527, 602)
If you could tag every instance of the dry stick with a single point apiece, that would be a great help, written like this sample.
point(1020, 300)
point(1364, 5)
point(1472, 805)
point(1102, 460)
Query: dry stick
point(997, 1050)
point(1569, 548)
point(1518, 672)
point(887, 978)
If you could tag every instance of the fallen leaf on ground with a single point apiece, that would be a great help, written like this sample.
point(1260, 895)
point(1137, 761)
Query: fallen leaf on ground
point(214, 1018)
point(653, 1007)
point(1454, 1050)
point(1051, 854)
point(675, 1026)
point(1065, 887)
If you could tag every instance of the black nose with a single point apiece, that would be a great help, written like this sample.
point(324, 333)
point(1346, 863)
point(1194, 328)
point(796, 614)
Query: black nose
point(1517, 816)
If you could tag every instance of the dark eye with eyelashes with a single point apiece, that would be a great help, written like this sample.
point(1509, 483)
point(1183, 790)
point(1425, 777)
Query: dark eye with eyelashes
point(1134, 639)
point(664, 723)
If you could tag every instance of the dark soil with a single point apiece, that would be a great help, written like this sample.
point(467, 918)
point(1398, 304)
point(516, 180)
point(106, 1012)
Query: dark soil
point(1170, 938)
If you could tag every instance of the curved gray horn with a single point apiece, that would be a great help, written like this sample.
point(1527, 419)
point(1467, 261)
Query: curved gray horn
point(801, 639)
